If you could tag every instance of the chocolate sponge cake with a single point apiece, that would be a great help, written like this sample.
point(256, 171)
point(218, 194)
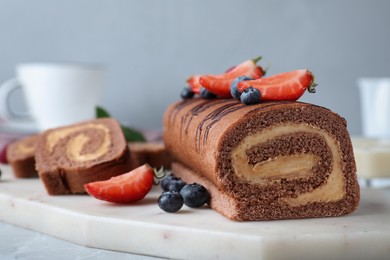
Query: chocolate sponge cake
point(20, 155)
point(71, 156)
point(152, 153)
point(274, 160)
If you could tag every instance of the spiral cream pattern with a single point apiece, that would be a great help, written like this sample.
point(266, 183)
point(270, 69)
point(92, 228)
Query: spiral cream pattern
point(24, 148)
point(74, 145)
point(292, 166)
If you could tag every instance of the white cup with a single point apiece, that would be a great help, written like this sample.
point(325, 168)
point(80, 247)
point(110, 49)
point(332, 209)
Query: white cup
point(375, 104)
point(56, 94)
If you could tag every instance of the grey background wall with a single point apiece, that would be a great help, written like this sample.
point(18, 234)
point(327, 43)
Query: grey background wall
point(151, 46)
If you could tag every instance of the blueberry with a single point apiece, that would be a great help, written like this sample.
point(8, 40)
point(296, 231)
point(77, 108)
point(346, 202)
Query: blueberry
point(172, 183)
point(250, 96)
point(204, 93)
point(164, 182)
point(170, 201)
point(187, 93)
point(176, 185)
point(233, 87)
point(195, 195)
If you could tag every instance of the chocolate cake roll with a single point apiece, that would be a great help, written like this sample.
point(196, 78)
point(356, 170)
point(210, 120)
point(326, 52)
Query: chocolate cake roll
point(20, 155)
point(71, 156)
point(153, 154)
point(274, 160)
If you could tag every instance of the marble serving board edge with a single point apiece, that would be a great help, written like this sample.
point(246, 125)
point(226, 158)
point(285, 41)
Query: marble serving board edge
point(144, 229)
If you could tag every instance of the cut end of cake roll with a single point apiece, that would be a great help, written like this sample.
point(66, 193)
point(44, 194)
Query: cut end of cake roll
point(20, 155)
point(69, 157)
point(152, 153)
point(275, 160)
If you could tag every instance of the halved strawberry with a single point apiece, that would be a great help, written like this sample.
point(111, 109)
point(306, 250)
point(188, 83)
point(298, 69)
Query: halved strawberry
point(220, 84)
point(194, 83)
point(3, 154)
point(284, 86)
point(125, 188)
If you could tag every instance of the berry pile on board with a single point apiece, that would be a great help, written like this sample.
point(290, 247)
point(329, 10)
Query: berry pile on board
point(136, 184)
point(192, 195)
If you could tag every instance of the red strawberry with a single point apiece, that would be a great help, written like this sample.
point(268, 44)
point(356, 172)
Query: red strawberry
point(193, 81)
point(125, 188)
point(3, 154)
point(284, 86)
point(220, 84)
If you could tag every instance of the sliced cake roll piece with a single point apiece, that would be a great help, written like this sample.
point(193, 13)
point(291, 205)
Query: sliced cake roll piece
point(151, 153)
point(274, 160)
point(20, 155)
point(71, 156)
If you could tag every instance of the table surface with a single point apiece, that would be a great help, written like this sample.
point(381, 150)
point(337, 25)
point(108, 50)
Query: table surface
point(24, 244)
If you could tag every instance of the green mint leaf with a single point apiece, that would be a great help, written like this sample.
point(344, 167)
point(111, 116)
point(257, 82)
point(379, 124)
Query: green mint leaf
point(132, 135)
point(101, 112)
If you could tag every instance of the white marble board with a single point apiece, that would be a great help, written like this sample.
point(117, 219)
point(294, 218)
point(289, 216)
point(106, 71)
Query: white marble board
point(143, 228)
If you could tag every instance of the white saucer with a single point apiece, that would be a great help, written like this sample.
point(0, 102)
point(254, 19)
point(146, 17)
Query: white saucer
point(19, 127)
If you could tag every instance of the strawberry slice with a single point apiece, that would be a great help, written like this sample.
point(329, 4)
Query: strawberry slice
point(125, 188)
point(284, 86)
point(194, 83)
point(220, 84)
point(3, 154)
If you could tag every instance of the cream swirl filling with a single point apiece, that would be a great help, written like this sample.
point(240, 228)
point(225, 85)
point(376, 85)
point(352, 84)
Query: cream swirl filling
point(23, 148)
point(289, 167)
point(75, 145)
